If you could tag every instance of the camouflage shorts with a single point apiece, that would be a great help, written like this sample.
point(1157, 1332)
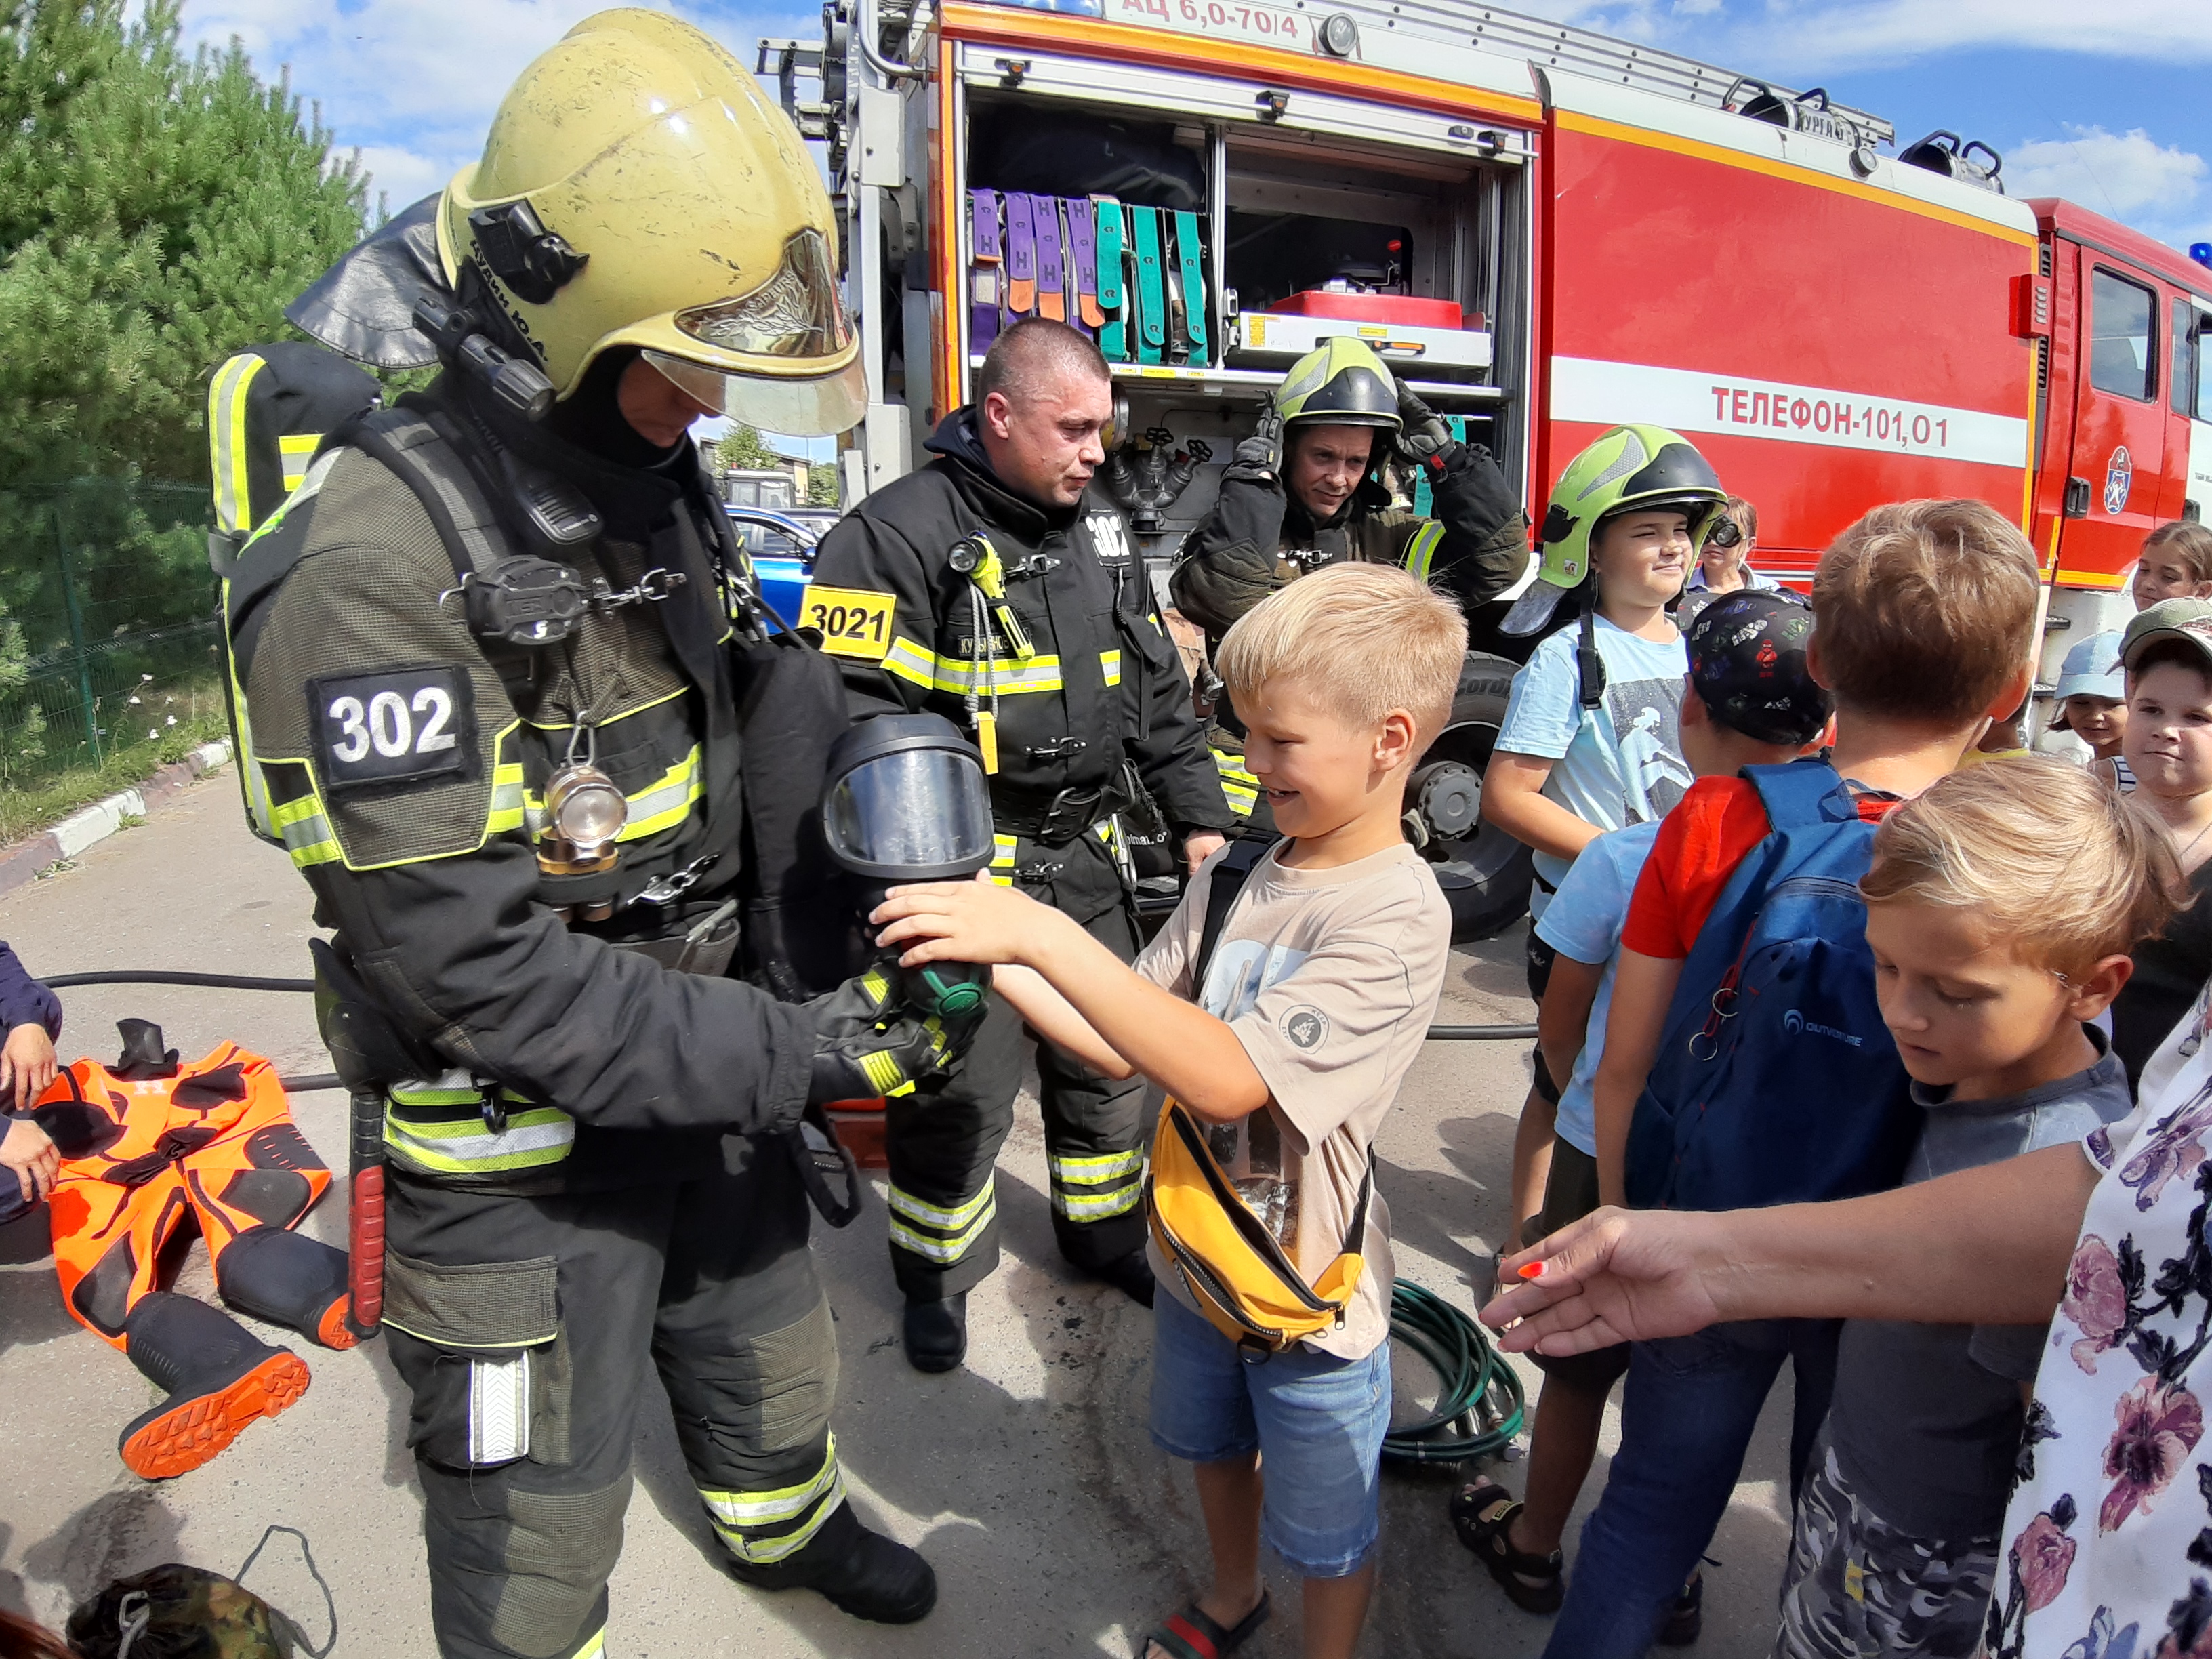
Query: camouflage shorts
point(1857, 1588)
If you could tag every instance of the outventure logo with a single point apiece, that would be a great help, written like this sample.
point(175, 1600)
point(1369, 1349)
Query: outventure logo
point(1796, 1024)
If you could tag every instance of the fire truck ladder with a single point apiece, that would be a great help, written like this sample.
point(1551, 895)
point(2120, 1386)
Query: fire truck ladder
point(1584, 52)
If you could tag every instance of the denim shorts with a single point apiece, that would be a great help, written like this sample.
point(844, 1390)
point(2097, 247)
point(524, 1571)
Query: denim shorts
point(1317, 1421)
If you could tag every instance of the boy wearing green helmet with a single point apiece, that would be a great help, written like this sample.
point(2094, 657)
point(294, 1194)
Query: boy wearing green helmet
point(1590, 739)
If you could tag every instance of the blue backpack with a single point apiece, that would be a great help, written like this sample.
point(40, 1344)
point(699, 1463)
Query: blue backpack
point(1776, 1082)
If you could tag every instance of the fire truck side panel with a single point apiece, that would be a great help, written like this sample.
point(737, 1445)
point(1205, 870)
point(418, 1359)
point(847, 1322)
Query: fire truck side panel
point(2119, 420)
point(1829, 343)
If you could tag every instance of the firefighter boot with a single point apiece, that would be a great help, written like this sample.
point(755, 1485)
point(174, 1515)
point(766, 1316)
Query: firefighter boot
point(218, 1377)
point(861, 1572)
point(288, 1280)
point(936, 1333)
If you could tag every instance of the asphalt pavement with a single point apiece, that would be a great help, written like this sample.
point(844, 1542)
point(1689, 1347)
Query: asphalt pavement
point(1027, 1476)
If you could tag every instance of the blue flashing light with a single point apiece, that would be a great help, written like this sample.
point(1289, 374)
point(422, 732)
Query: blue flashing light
point(2201, 253)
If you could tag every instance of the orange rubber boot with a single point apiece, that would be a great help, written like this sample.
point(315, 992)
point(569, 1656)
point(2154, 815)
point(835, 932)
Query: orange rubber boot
point(219, 1376)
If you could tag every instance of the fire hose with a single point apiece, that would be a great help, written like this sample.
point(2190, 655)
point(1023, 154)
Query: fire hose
point(1479, 1404)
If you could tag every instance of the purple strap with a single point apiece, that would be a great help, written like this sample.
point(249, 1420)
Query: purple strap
point(1021, 256)
point(1082, 221)
point(1052, 283)
point(988, 281)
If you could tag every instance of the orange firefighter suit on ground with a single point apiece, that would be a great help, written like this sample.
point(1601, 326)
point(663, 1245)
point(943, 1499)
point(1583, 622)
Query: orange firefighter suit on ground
point(157, 1145)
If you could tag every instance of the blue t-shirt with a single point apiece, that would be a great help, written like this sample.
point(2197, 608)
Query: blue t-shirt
point(1618, 764)
point(1583, 920)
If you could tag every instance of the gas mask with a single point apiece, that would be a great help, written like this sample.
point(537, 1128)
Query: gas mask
point(906, 802)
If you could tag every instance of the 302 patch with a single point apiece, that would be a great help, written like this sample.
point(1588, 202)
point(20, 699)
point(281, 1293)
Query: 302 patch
point(400, 725)
point(853, 621)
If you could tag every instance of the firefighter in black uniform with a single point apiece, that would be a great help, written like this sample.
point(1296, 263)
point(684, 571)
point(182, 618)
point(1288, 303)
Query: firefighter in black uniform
point(1012, 601)
point(494, 673)
point(1306, 489)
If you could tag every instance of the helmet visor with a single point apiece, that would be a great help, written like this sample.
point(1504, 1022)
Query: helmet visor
point(913, 815)
point(815, 407)
point(796, 312)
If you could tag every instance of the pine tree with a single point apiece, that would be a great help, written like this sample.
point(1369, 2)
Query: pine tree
point(158, 209)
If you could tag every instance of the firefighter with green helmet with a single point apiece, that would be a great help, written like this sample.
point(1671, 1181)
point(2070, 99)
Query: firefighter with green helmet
point(1308, 488)
point(506, 695)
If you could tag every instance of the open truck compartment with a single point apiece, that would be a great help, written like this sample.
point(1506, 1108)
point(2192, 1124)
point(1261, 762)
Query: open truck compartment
point(1206, 255)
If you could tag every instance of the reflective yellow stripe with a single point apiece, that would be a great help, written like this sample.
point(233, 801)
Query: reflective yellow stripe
point(910, 662)
point(596, 1647)
point(1089, 1206)
point(1104, 1166)
point(667, 800)
point(1423, 548)
point(304, 831)
point(745, 1519)
point(952, 1231)
point(1002, 859)
point(234, 508)
point(1240, 786)
point(506, 798)
point(1111, 662)
point(294, 450)
point(1006, 678)
point(531, 1140)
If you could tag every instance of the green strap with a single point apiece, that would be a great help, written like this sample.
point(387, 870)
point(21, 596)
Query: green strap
point(1151, 292)
point(1193, 286)
point(1113, 339)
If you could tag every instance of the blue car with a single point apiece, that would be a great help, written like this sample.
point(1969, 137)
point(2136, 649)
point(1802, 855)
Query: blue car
point(782, 546)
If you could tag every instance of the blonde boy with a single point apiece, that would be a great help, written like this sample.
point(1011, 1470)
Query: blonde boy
point(2001, 906)
point(1314, 1004)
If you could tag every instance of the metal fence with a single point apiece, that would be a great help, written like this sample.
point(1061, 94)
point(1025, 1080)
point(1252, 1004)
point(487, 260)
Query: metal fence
point(109, 651)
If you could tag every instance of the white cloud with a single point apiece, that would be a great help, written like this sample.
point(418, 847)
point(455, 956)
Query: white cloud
point(1885, 31)
point(413, 83)
point(2123, 173)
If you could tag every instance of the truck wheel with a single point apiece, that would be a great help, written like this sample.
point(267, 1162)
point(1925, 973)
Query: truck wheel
point(1485, 873)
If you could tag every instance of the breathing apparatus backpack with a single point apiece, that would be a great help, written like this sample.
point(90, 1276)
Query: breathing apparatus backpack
point(1244, 1283)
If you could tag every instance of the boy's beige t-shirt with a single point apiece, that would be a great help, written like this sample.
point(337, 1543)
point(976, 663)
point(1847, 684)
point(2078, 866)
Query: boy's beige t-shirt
point(1329, 978)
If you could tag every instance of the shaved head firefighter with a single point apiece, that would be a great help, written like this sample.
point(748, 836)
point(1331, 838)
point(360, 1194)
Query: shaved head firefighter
point(510, 699)
point(1017, 607)
point(1307, 489)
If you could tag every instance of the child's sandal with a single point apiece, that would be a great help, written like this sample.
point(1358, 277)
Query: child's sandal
point(1482, 1515)
point(1191, 1635)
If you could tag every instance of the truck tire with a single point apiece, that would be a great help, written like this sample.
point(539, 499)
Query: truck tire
point(1485, 873)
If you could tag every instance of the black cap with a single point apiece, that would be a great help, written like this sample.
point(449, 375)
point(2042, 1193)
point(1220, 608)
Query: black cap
point(1747, 665)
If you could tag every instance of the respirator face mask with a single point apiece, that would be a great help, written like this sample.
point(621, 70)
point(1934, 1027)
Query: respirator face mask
point(907, 801)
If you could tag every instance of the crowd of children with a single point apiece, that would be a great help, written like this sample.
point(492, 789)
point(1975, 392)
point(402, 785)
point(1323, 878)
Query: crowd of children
point(1785, 946)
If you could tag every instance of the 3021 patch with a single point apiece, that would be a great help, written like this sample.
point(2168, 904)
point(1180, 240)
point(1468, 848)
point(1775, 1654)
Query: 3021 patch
point(853, 622)
point(399, 724)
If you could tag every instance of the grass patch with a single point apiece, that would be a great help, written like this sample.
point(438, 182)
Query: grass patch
point(53, 798)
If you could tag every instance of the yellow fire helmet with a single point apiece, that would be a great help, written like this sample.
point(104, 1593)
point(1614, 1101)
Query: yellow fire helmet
point(638, 190)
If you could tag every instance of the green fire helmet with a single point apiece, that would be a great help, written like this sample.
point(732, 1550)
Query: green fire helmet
point(1341, 383)
point(1628, 467)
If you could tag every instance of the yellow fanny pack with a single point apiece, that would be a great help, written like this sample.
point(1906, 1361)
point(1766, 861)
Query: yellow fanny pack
point(1224, 1255)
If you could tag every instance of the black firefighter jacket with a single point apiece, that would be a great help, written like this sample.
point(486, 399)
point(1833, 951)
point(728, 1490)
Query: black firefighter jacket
point(1257, 539)
point(1104, 685)
point(421, 854)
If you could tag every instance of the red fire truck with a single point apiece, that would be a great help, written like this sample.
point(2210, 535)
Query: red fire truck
point(1547, 231)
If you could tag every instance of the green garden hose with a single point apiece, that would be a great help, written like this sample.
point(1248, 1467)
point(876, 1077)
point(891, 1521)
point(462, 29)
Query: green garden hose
point(1480, 1407)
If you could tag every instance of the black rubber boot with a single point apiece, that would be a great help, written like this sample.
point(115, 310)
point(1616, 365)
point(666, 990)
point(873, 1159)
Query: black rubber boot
point(300, 1283)
point(218, 1375)
point(861, 1572)
point(1133, 1276)
point(936, 1333)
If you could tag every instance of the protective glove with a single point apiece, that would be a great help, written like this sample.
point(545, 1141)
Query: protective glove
point(1259, 458)
point(868, 1043)
point(1423, 438)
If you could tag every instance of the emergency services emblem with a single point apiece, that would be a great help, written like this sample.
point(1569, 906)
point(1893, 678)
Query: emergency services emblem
point(2119, 479)
point(1305, 1027)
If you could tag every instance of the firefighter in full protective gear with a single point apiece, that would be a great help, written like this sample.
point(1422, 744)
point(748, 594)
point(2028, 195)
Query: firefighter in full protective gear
point(993, 586)
point(505, 697)
point(1307, 489)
